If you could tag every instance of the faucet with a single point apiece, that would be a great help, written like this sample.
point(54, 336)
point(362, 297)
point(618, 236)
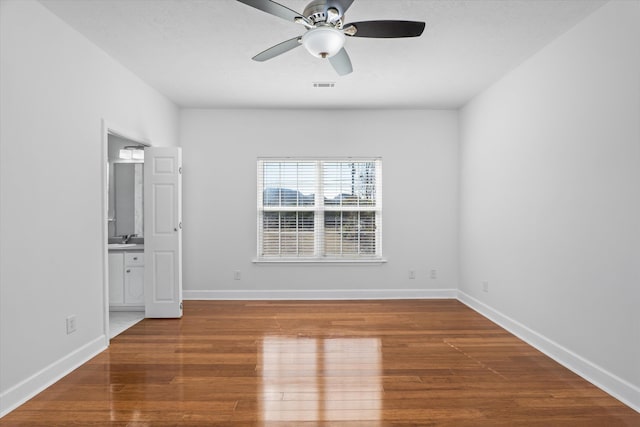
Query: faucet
point(126, 237)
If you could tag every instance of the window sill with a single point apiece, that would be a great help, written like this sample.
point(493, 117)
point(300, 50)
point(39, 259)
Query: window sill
point(317, 261)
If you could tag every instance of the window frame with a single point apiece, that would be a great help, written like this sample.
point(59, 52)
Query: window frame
point(318, 209)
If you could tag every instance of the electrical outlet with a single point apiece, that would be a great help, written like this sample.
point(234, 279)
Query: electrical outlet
point(71, 324)
point(236, 275)
point(485, 286)
point(434, 274)
point(412, 274)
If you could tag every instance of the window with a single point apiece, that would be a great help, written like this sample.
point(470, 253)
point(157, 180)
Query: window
point(319, 209)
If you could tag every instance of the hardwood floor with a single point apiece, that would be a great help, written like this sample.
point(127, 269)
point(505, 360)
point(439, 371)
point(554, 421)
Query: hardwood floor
point(342, 363)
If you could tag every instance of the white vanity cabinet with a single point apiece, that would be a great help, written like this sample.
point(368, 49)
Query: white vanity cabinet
point(126, 280)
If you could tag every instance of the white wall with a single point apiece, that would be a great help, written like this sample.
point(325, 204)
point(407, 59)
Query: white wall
point(550, 198)
point(56, 89)
point(548, 195)
point(419, 151)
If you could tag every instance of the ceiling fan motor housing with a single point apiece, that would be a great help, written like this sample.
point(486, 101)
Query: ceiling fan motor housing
point(318, 11)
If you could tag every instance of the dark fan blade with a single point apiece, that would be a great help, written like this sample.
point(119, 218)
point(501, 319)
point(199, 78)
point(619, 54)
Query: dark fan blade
point(278, 49)
point(273, 8)
point(387, 29)
point(341, 5)
point(341, 62)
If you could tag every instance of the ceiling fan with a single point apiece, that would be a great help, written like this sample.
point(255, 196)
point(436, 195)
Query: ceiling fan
point(326, 30)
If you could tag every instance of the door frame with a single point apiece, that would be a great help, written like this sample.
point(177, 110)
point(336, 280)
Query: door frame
point(109, 128)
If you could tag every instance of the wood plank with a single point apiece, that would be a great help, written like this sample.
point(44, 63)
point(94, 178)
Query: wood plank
point(322, 363)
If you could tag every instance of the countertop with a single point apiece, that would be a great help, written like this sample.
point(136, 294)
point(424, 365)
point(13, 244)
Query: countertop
point(131, 247)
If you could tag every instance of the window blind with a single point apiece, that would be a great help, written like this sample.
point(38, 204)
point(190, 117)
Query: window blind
point(319, 209)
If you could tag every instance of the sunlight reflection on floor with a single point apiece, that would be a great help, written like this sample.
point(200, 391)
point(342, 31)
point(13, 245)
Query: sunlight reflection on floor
point(309, 379)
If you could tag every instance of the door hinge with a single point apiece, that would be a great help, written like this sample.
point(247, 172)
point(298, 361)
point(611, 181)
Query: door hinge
point(180, 170)
point(181, 305)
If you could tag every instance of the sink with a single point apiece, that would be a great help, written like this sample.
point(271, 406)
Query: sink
point(121, 245)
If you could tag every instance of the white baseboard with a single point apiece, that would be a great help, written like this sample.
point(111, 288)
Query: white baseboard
point(622, 390)
point(328, 294)
point(25, 390)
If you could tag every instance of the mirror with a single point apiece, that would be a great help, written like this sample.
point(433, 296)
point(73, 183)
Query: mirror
point(126, 199)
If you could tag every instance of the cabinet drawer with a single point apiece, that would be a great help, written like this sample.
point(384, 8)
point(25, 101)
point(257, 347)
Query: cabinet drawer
point(134, 258)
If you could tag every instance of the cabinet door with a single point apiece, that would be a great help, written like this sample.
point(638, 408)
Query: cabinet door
point(134, 285)
point(116, 278)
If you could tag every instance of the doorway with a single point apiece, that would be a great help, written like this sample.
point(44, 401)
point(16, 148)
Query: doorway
point(123, 230)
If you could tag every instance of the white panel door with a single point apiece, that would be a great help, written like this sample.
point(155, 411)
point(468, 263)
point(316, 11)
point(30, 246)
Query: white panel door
point(163, 231)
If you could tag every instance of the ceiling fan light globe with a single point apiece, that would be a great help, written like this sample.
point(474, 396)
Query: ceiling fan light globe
point(323, 42)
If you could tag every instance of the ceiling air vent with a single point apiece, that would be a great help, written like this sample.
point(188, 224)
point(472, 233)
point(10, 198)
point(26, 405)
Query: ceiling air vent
point(324, 84)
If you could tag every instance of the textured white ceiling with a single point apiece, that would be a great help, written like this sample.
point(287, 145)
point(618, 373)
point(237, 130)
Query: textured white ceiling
point(198, 52)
